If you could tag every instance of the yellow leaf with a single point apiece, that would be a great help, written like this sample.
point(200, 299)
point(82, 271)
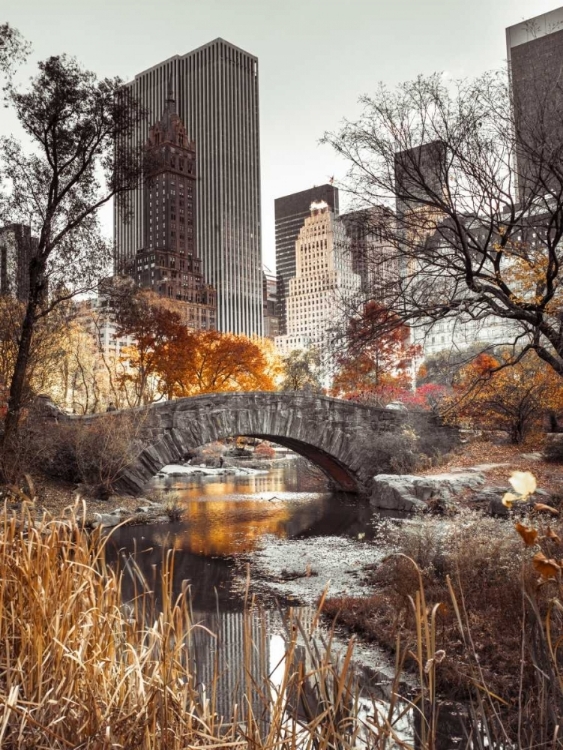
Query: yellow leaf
point(528, 534)
point(508, 499)
point(542, 508)
point(546, 568)
point(523, 482)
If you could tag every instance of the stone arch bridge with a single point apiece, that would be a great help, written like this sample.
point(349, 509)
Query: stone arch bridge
point(350, 442)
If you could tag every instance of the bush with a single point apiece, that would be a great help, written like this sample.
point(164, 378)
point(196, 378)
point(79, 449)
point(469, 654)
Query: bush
point(264, 450)
point(91, 452)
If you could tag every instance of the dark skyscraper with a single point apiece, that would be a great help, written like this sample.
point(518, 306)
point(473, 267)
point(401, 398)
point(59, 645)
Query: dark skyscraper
point(17, 247)
point(291, 212)
point(217, 98)
point(168, 262)
point(535, 65)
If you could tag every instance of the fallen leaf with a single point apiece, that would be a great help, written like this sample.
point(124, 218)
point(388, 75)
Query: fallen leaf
point(542, 508)
point(550, 534)
point(509, 498)
point(546, 568)
point(528, 534)
point(523, 482)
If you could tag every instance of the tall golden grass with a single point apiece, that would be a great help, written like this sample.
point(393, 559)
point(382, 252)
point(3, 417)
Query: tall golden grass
point(82, 668)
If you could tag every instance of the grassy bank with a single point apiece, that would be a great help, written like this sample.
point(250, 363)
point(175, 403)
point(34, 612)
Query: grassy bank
point(82, 668)
point(483, 609)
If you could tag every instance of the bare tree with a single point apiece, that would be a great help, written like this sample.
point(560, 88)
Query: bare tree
point(476, 183)
point(72, 168)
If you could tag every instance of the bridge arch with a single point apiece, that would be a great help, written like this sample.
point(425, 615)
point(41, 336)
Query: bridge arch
point(335, 435)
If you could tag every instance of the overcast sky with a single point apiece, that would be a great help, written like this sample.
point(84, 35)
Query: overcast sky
point(315, 58)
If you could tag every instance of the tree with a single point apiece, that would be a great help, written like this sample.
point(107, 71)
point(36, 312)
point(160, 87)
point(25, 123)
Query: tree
point(477, 181)
point(169, 360)
point(216, 362)
point(162, 345)
point(47, 351)
point(375, 361)
point(73, 122)
point(301, 371)
point(515, 399)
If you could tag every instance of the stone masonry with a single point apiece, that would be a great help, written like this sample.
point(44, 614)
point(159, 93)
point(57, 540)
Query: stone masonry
point(335, 435)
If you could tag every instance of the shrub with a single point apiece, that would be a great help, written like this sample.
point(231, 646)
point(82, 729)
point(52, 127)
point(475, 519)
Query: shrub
point(92, 452)
point(264, 450)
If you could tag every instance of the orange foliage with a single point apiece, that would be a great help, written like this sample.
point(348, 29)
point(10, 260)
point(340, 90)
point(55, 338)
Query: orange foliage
point(172, 360)
point(514, 398)
point(375, 361)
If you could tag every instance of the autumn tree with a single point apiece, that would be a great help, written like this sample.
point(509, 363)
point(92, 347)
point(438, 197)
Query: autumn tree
point(169, 360)
point(216, 362)
point(72, 122)
point(476, 181)
point(375, 362)
point(302, 370)
point(513, 398)
point(47, 351)
point(162, 344)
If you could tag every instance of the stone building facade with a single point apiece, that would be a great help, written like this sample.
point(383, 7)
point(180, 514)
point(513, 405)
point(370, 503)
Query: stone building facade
point(290, 213)
point(323, 282)
point(168, 261)
point(17, 246)
point(216, 89)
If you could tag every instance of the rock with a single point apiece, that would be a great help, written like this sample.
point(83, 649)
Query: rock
point(105, 520)
point(496, 507)
point(119, 512)
point(410, 492)
point(534, 456)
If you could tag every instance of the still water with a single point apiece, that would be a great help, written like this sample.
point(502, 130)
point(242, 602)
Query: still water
point(224, 517)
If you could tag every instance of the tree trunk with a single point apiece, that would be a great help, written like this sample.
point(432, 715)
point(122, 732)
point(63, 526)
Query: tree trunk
point(18, 379)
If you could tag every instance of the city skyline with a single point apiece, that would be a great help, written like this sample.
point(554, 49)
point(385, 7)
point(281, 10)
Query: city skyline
point(217, 100)
point(310, 91)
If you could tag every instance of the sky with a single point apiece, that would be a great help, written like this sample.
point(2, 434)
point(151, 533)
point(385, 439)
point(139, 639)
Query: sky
point(316, 58)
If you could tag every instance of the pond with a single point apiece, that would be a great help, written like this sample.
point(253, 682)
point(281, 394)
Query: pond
point(225, 517)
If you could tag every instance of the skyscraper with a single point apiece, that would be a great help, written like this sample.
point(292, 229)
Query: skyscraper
point(535, 66)
point(17, 246)
point(168, 262)
point(217, 99)
point(291, 212)
point(323, 283)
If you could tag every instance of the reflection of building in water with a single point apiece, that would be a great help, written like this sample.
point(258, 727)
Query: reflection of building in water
point(234, 661)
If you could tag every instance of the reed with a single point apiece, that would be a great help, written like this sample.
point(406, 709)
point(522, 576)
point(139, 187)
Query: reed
point(80, 667)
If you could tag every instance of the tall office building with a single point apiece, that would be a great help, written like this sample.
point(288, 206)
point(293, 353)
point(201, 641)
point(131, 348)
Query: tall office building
point(323, 283)
point(291, 212)
point(535, 65)
point(372, 252)
point(17, 246)
point(168, 262)
point(217, 99)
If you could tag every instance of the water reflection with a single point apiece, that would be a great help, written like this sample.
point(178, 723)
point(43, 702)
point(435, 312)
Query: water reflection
point(224, 516)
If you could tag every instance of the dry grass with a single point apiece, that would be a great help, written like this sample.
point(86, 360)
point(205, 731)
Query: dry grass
point(493, 617)
point(81, 668)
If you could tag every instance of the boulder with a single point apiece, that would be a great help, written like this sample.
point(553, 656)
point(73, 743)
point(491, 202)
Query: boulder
point(410, 492)
point(106, 520)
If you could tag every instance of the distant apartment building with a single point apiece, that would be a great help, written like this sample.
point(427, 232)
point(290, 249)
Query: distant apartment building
point(322, 285)
point(167, 262)
point(535, 66)
point(290, 214)
point(420, 230)
point(216, 89)
point(270, 290)
point(17, 246)
point(372, 251)
point(96, 317)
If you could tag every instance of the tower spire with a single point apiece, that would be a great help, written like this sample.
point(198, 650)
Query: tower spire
point(170, 96)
